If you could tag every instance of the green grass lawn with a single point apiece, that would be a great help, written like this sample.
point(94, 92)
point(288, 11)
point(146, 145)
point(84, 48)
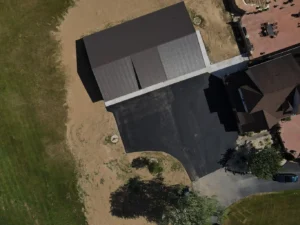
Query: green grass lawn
point(37, 173)
point(281, 208)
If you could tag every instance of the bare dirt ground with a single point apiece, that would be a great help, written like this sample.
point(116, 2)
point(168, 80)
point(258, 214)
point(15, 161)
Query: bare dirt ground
point(216, 33)
point(103, 166)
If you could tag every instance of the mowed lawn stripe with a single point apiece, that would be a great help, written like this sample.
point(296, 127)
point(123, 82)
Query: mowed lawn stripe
point(38, 179)
point(266, 209)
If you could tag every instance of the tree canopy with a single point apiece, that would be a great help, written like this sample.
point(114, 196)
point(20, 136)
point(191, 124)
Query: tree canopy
point(162, 204)
point(192, 209)
point(265, 163)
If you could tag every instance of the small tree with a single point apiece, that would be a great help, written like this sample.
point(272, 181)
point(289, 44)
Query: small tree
point(265, 163)
point(192, 209)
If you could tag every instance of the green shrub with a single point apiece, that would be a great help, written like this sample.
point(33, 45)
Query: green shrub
point(286, 119)
point(155, 168)
point(264, 164)
point(196, 19)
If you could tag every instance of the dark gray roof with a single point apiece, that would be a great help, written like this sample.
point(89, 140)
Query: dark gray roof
point(181, 56)
point(116, 79)
point(145, 51)
point(139, 34)
point(148, 67)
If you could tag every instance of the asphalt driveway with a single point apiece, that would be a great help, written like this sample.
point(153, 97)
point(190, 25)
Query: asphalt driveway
point(191, 120)
point(229, 188)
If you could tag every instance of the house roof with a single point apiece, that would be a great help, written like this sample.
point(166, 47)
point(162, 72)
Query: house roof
point(149, 67)
point(272, 94)
point(275, 75)
point(150, 49)
point(139, 34)
point(251, 96)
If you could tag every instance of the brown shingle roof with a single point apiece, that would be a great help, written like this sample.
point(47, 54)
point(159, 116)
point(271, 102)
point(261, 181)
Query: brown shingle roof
point(271, 96)
point(276, 74)
point(270, 119)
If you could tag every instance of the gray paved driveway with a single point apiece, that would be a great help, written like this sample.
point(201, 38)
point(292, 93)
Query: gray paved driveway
point(229, 188)
point(191, 120)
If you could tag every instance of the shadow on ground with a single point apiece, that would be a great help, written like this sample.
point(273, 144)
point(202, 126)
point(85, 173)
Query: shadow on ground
point(182, 120)
point(140, 162)
point(148, 199)
point(85, 72)
point(218, 102)
point(231, 6)
point(235, 161)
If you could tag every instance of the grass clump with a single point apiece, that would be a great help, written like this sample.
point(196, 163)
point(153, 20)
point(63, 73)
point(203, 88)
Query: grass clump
point(196, 19)
point(176, 166)
point(155, 167)
point(286, 119)
point(38, 182)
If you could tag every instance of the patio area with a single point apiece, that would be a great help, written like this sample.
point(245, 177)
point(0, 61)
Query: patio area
point(290, 135)
point(283, 16)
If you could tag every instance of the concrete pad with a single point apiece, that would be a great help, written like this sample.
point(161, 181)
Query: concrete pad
point(229, 188)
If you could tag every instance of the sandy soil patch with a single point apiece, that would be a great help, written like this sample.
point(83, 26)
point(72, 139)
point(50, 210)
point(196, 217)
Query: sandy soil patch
point(103, 166)
point(216, 33)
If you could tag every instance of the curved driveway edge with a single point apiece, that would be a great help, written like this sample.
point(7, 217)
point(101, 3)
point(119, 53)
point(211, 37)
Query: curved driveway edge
point(229, 188)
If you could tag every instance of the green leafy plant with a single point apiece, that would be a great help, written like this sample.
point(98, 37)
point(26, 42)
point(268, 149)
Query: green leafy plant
point(162, 204)
point(265, 163)
point(155, 168)
point(286, 119)
point(192, 209)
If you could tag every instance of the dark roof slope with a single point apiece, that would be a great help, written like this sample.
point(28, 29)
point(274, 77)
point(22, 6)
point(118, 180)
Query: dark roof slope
point(277, 74)
point(139, 34)
point(116, 79)
point(277, 96)
point(148, 67)
point(251, 96)
point(143, 52)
